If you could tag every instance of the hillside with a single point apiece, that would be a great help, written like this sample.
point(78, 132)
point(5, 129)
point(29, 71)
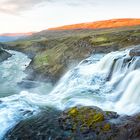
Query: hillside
point(113, 23)
point(54, 52)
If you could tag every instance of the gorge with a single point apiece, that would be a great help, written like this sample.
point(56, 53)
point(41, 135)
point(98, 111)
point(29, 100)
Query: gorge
point(101, 80)
point(71, 84)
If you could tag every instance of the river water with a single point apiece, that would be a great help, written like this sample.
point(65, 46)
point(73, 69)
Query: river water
point(109, 81)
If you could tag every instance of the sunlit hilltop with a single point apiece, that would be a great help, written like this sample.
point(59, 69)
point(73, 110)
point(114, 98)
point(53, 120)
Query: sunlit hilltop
point(113, 23)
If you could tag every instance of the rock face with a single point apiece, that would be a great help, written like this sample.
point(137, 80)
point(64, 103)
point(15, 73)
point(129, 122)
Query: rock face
point(129, 128)
point(4, 55)
point(86, 123)
point(135, 51)
point(54, 52)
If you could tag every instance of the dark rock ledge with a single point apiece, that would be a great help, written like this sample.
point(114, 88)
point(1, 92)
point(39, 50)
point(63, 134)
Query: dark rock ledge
point(85, 123)
point(135, 51)
point(4, 55)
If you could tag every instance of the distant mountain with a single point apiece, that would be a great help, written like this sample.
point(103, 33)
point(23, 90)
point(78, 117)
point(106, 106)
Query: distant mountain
point(113, 23)
point(13, 36)
point(9, 38)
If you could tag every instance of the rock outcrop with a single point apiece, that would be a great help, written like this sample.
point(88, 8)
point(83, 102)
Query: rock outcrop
point(135, 51)
point(76, 123)
point(4, 55)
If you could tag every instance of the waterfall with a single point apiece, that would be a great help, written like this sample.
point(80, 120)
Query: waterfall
point(109, 81)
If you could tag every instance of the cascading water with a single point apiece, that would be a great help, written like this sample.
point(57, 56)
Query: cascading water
point(110, 82)
point(11, 72)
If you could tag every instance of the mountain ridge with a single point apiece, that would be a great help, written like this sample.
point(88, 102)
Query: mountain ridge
point(17, 34)
point(112, 23)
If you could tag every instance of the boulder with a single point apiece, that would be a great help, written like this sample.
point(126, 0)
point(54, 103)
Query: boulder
point(135, 52)
point(4, 55)
point(79, 122)
point(86, 123)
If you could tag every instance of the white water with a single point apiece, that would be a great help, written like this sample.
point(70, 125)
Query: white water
point(89, 84)
point(11, 72)
point(15, 107)
point(110, 82)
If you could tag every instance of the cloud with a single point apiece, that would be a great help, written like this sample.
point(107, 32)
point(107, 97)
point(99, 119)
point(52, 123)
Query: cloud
point(75, 2)
point(17, 6)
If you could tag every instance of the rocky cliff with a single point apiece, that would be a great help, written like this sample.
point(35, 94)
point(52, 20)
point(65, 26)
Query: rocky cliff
point(3, 54)
point(53, 52)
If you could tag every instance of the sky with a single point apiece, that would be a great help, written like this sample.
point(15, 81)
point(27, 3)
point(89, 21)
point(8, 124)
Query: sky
point(37, 15)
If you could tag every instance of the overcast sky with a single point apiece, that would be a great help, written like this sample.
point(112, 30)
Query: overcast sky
point(36, 15)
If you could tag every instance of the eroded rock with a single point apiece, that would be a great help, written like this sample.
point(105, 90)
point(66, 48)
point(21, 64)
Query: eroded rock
point(135, 52)
point(85, 123)
point(4, 55)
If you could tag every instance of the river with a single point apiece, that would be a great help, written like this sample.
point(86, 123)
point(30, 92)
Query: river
point(109, 81)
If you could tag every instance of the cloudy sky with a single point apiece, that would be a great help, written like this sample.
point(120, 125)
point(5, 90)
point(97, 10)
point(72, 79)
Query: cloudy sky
point(36, 15)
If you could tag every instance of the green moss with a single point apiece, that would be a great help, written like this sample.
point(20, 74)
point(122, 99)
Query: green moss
point(136, 34)
point(98, 117)
point(73, 111)
point(41, 60)
point(107, 127)
point(108, 44)
point(99, 39)
point(85, 116)
point(85, 119)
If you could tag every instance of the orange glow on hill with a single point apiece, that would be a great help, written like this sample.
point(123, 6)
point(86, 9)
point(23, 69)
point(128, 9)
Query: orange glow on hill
point(17, 34)
point(114, 23)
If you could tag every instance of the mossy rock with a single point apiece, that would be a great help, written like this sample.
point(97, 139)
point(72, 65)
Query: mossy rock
point(85, 118)
point(67, 126)
point(107, 127)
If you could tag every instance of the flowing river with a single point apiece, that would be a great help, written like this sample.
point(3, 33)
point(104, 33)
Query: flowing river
point(109, 81)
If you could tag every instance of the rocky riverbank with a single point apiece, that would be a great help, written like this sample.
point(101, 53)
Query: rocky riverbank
point(4, 55)
point(86, 123)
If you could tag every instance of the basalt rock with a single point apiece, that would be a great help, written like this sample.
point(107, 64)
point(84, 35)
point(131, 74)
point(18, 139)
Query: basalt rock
point(85, 123)
point(135, 52)
point(4, 55)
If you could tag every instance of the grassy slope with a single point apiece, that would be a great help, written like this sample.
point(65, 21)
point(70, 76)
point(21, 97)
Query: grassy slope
point(55, 51)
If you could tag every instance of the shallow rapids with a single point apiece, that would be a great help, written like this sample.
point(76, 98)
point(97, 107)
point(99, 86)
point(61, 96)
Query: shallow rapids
point(11, 72)
point(13, 107)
